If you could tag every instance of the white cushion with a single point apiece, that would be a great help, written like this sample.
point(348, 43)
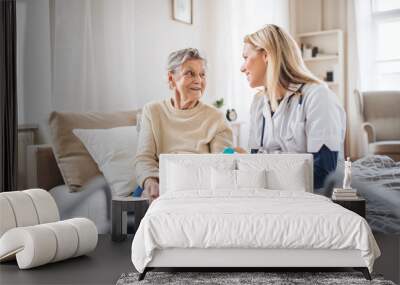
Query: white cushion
point(287, 177)
point(114, 151)
point(183, 177)
point(34, 244)
point(87, 233)
point(190, 171)
point(40, 244)
point(26, 208)
point(30, 246)
point(45, 206)
point(223, 179)
point(251, 179)
point(283, 171)
point(236, 179)
point(282, 174)
point(66, 237)
point(7, 216)
point(23, 208)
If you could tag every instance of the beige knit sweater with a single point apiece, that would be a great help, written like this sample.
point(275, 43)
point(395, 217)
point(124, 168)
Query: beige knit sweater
point(164, 129)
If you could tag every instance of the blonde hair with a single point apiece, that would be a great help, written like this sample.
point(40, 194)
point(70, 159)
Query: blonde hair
point(285, 64)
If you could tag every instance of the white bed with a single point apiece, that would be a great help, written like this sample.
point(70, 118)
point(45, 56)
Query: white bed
point(203, 220)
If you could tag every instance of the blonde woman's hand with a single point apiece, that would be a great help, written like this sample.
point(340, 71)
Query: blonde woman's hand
point(151, 188)
point(239, 149)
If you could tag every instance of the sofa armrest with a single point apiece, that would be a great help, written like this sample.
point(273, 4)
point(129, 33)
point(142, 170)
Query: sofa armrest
point(370, 131)
point(42, 168)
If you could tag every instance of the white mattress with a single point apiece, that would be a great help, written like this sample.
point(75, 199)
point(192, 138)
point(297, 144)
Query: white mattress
point(252, 218)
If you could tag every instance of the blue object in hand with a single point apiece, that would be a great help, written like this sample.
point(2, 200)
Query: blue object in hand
point(138, 192)
point(228, 150)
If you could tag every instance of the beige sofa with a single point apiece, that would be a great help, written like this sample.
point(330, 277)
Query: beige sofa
point(380, 111)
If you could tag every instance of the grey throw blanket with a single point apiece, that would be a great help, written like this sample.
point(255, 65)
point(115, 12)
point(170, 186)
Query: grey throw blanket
point(377, 179)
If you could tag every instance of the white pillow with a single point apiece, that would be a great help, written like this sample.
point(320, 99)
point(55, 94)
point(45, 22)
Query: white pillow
point(290, 177)
point(283, 172)
point(114, 151)
point(223, 179)
point(182, 177)
point(179, 172)
point(237, 179)
point(251, 178)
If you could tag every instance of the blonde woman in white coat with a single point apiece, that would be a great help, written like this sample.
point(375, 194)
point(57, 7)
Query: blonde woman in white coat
point(295, 112)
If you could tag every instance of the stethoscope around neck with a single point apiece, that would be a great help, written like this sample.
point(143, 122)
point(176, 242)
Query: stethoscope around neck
point(263, 117)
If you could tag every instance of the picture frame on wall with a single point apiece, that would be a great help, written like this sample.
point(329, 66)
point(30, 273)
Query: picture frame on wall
point(182, 11)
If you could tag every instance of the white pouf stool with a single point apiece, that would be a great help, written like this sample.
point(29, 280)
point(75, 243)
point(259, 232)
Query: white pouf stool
point(31, 232)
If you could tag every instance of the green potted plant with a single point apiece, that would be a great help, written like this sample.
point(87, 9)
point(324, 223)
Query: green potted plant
point(219, 103)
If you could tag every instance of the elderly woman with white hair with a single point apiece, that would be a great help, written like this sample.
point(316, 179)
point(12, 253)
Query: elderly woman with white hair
point(180, 123)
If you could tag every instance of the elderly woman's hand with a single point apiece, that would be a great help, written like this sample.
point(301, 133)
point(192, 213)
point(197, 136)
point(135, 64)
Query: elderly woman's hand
point(151, 188)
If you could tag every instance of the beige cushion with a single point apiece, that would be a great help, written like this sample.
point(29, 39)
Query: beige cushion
point(76, 165)
point(381, 110)
point(385, 147)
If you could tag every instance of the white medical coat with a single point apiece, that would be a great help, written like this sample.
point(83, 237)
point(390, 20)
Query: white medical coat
point(298, 125)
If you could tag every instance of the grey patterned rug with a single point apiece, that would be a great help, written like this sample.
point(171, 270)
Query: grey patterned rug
point(243, 278)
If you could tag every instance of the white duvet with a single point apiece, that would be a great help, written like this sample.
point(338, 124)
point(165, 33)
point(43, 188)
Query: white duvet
point(252, 218)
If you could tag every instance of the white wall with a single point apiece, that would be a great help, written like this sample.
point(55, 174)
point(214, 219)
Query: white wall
point(34, 64)
point(239, 19)
point(156, 35)
point(316, 15)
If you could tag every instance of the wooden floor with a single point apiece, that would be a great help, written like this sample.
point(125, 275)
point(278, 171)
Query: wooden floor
point(110, 259)
point(102, 266)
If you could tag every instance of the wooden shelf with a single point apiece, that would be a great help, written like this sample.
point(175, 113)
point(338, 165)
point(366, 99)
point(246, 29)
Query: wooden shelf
point(322, 57)
point(28, 127)
point(330, 44)
point(319, 33)
point(331, 83)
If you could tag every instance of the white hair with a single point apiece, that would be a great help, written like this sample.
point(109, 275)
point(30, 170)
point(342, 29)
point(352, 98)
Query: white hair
point(179, 57)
